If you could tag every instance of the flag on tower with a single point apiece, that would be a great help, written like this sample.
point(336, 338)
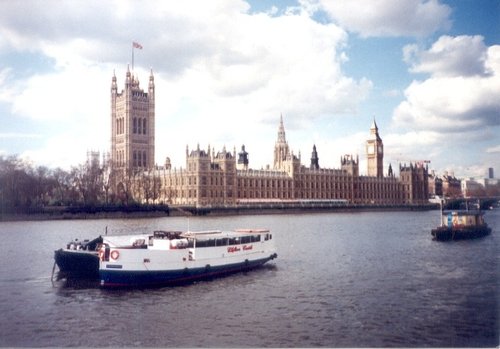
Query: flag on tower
point(137, 45)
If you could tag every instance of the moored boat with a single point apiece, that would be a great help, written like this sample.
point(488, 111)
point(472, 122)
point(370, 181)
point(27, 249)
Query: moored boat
point(169, 257)
point(461, 225)
point(173, 257)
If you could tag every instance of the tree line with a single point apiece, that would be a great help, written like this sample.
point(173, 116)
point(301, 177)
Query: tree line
point(25, 188)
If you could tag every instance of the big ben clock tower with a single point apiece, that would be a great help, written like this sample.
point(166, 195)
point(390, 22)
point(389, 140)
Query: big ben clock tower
point(375, 152)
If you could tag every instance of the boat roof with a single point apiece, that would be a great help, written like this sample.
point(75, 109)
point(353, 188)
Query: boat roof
point(124, 240)
point(463, 212)
point(216, 234)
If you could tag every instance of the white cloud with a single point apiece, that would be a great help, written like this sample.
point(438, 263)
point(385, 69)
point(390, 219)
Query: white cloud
point(17, 135)
point(222, 75)
point(75, 94)
point(372, 18)
point(454, 113)
point(449, 56)
point(63, 150)
point(411, 146)
point(455, 97)
point(495, 149)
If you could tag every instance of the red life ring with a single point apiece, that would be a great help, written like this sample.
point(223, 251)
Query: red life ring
point(115, 254)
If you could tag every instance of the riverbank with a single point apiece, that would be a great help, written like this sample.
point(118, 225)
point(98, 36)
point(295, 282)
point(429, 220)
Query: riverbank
point(179, 211)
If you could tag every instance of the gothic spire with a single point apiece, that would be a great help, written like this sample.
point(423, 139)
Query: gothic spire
point(314, 159)
point(281, 131)
point(374, 125)
point(374, 130)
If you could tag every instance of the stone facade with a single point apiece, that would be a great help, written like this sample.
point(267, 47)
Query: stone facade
point(451, 186)
point(132, 125)
point(375, 153)
point(414, 181)
point(224, 179)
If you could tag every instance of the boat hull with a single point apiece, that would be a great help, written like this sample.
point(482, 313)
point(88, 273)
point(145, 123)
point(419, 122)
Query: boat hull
point(115, 277)
point(463, 233)
point(77, 264)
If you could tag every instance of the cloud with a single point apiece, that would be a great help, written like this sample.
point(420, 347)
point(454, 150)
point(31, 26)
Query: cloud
point(222, 73)
point(62, 96)
point(17, 135)
point(62, 150)
point(371, 18)
point(457, 97)
point(450, 56)
point(452, 115)
point(495, 149)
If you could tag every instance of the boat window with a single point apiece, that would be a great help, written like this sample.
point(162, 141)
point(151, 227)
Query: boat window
point(222, 242)
point(255, 238)
point(234, 241)
point(201, 243)
point(246, 239)
point(205, 243)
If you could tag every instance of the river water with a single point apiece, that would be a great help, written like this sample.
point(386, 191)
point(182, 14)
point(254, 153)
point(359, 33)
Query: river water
point(340, 280)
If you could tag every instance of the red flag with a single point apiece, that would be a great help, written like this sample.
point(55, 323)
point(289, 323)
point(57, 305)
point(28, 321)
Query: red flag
point(137, 45)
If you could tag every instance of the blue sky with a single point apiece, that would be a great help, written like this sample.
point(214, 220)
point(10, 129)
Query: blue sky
point(428, 71)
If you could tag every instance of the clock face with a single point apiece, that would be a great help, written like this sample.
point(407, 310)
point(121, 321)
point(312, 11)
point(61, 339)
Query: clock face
point(379, 148)
point(371, 149)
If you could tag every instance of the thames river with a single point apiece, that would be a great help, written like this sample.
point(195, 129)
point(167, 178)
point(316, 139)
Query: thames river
point(340, 280)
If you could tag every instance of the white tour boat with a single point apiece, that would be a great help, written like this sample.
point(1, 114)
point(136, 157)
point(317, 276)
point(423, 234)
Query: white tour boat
point(170, 257)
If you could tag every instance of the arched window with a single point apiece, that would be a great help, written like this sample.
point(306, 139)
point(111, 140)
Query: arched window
point(144, 126)
point(135, 159)
point(144, 157)
point(135, 126)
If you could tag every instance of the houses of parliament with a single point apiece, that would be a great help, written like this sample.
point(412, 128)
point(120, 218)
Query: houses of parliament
point(224, 178)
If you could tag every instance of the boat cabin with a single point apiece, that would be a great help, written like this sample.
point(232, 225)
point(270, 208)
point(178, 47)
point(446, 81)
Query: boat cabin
point(457, 219)
point(171, 240)
point(219, 238)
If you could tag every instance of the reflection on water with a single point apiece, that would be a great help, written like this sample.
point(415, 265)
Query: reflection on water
point(340, 279)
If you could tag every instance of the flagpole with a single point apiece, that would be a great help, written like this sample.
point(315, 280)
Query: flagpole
point(135, 45)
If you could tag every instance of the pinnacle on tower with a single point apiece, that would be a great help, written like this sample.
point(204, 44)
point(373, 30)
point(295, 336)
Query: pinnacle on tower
point(374, 130)
point(281, 131)
point(314, 159)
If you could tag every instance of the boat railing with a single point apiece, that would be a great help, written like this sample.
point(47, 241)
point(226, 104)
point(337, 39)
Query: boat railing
point(166, 234)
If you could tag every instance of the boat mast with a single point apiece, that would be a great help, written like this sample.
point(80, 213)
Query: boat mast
point(441, 223)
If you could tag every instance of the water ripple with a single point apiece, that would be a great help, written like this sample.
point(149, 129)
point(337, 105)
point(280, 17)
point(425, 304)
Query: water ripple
point(341, 280)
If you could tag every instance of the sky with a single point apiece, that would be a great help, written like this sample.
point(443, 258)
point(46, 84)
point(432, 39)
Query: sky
point(428, 72)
